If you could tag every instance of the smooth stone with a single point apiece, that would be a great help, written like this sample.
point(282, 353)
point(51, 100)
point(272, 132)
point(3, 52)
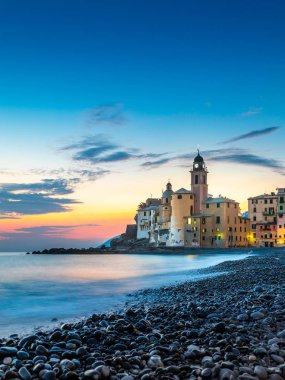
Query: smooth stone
point(42, 350)
point(206, 372)
point(261, 372)
point(8, 351)
point(257, 315)
point(8, 360)
point(24, 373)
point(92, 374)
point(278, 359)
point(155, 362)
point(23, 355)
point(281, 334)
point(49, 375)
point(103, 370)
point(27, 340)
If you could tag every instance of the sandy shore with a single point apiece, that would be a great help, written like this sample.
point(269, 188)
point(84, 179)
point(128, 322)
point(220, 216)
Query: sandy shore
point(231, 326)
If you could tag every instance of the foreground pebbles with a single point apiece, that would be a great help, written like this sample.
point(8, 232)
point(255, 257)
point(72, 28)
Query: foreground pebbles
point(227, 327)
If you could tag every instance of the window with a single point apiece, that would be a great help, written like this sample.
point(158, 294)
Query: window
point(203, 221)
point(218, 219)
point(144, 214)
point(204, 179)
point(217, 229)
point(271, 200)
point(254, 218)
point(218, 205)
point(228, 204)
point(204, 230)
point(281, 208)
point(253, 226)
point(179, 196)
point(254, 209)
point(196, 179)
point(207, 205)
point(166, 200)
point(191, 196)
point(191, 210)
point(281, 200)
point(235, 220)
point(265, 201)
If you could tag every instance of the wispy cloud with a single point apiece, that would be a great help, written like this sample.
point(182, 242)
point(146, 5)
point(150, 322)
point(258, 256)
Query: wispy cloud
point(233, 155)
point(251, 134)
point(17, 199)
point(100, 150)
point(77, 175)
point(52, 231)
point(252, 111)
point(106, 115)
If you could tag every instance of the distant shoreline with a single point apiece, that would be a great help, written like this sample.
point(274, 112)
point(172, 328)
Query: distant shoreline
point(147, 250)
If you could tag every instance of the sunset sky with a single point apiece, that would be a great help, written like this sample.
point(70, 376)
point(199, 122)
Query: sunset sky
point(103, 101)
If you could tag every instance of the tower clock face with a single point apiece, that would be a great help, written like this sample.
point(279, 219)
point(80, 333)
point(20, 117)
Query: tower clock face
point(196, 166)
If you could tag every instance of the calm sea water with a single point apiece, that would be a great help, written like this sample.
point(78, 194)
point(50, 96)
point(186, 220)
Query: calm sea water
point(35, 289)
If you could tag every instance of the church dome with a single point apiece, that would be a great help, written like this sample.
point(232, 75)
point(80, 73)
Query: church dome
point(198, 158)
point(167, 194)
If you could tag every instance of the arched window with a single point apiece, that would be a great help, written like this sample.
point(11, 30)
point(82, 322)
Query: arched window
point(196, 179)
point(191, 210)
point(204, 179)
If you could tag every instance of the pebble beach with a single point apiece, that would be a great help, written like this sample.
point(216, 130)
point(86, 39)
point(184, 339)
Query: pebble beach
point(229, 326)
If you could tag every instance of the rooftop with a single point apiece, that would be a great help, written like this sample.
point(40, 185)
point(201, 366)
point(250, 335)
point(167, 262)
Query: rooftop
point(183, 191)
point(219, 200)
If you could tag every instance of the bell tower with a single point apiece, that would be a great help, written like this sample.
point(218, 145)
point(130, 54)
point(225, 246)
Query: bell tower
point(199, 184)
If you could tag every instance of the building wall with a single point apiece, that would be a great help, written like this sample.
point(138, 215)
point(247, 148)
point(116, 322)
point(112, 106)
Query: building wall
point(181, 208)
point(226, 228)
point(200, 189)
point(281, 217)
point(145, 223)
point(262, 212)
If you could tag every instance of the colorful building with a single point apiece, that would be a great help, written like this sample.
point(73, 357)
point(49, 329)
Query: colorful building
point(192, 218)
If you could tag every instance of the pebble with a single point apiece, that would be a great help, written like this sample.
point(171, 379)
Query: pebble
point(226, 327)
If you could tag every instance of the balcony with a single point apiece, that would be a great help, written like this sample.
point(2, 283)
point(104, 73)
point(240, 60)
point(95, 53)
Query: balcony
point(269, 213)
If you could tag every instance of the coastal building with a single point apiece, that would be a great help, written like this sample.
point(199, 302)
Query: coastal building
point(192, 218)
point(262, 212)
point(281, 216)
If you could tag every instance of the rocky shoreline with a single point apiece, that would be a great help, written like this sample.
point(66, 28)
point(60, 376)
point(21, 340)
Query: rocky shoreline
point(231, 326)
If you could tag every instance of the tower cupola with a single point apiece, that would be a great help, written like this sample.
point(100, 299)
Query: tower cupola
point(198, 163)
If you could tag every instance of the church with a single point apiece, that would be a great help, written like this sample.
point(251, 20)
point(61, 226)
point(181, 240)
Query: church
point(192, 218)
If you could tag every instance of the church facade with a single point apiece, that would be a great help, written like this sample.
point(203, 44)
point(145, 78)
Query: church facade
point(192, 218)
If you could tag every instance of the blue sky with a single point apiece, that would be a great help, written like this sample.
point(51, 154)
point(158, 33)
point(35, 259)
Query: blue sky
point(104, 94)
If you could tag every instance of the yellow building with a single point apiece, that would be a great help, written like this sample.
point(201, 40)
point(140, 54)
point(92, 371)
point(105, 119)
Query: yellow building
point(192, 218)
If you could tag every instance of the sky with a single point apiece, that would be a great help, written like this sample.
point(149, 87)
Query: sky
point(103, 101)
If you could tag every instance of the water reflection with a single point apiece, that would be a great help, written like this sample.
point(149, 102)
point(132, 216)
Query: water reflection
point(34, 289)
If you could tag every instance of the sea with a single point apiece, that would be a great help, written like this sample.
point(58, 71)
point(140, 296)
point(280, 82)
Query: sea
point(41, 291)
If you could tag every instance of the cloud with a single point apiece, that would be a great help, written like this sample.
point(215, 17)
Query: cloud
point(157, 163)
point(252, 111)
point(99, 150)
point(77, 175)
point(47, 231)
point(233, 155)
point(108, 114)
point(252, 159)
point(17, 199)
point(252, 134)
